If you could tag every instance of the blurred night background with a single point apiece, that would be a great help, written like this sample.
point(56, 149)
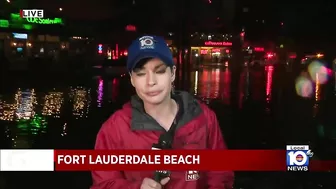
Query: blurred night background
point(267, 68)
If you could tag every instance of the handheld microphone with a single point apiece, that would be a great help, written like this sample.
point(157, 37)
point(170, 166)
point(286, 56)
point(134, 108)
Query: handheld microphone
point(165, 143)
point(166, 140)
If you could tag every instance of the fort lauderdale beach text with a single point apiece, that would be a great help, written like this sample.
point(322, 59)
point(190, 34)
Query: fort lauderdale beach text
point(129, 159)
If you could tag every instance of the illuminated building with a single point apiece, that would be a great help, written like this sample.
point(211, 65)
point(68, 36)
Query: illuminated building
point(25, 103)
point(53, 104)
point(7, 111)
point(205, 48)
point(22, 122)
point(208, 49)
point(20, 42)
point(24, 38)
point(81, 102)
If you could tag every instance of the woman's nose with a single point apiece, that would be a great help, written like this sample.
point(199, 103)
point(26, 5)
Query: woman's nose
point(151, 79)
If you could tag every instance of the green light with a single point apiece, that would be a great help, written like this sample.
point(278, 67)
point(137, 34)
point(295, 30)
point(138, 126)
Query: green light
point(44, 21)
point(4, 24)
point(33, 126)
point(15, 16)
point(27, 26)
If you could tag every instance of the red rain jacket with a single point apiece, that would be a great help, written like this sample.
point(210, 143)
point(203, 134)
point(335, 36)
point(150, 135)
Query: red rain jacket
point(132, 128)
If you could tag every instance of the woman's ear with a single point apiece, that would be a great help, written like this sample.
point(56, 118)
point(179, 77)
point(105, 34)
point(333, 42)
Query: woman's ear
point(173, 73)
point(132, 82)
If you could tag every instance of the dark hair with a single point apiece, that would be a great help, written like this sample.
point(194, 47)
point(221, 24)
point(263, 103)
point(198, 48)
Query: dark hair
point(141, 64)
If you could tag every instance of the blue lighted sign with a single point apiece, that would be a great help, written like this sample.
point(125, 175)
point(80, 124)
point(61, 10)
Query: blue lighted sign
point(20, 35)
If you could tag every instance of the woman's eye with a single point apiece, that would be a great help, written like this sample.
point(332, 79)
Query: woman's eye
point(161, 71)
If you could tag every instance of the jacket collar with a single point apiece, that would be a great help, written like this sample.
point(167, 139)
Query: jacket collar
point(142, 121)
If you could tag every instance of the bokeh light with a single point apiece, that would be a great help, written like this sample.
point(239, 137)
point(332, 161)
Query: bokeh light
point(318, 72)
point(304, 86)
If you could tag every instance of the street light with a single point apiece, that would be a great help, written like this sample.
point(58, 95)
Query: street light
point(8, 1)
point(60, 9)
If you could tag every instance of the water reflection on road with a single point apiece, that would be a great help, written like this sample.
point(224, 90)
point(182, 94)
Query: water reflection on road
point(212, 84)
point(29, 112)
point(70, 116)
point(215, 83)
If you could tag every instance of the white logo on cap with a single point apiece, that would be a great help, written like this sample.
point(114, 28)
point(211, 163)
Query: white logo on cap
point(146, 42)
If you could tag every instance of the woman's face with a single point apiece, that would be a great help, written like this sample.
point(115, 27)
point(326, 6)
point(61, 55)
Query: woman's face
point(153, 81)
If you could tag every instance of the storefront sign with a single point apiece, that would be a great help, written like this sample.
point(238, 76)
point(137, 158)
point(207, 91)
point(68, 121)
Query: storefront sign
point(213, 43)
point(20, 35)
point(45, 20)
point(215, 50)
point(204, 51)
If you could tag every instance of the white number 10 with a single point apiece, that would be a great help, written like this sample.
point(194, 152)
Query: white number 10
point(292, 158)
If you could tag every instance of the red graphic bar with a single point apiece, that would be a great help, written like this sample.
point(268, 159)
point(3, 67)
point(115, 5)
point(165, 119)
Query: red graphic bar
point(316, 165)
point(236, 160)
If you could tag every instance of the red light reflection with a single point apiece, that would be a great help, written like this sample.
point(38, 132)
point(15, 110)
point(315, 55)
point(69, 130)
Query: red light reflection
point(226, 91)
point(209, 83)
point(115, 89)
point(269, 80)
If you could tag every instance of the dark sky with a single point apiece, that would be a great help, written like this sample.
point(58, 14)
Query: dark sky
point(313, 14)
point(100, 9)
point(82, 9)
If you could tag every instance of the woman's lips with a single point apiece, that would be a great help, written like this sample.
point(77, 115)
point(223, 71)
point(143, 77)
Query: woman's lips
point(154, 93)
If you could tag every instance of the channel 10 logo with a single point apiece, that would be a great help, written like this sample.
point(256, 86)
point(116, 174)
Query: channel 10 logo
point(298, 157)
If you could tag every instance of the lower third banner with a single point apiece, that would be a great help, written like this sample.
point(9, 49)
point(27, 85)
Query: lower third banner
point(142, 160)
point(236, 160)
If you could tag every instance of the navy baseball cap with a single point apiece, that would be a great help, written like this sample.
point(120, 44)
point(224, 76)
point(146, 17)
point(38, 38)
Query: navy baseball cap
point(148, 47)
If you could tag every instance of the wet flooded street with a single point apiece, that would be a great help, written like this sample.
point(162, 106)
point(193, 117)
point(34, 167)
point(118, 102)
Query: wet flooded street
point(274, 107)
